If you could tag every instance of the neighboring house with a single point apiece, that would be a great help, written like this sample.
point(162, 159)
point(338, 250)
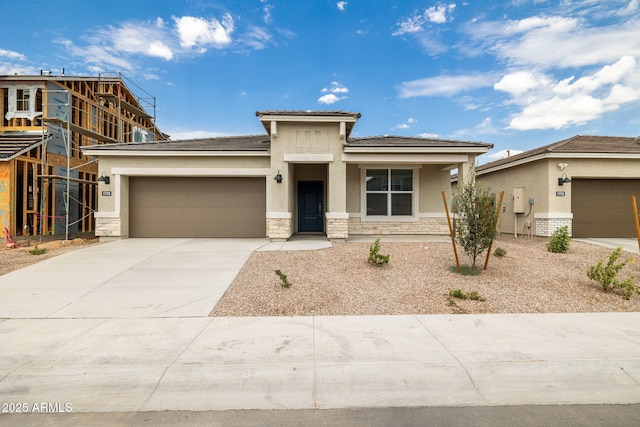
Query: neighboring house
point(584, 182)
point(305, 175)
point(45, 120)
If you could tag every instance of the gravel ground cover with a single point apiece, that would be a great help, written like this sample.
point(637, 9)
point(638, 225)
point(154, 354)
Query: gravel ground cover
point(14, 259)
point(417, 280)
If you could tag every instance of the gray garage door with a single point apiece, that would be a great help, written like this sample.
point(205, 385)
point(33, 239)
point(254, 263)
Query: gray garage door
point(197, 207)
point(602, 207)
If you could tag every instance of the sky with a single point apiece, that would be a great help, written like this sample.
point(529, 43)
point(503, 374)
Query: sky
point(515, 73)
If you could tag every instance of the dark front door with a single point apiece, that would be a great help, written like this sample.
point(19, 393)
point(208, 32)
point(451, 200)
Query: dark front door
point(310, 206)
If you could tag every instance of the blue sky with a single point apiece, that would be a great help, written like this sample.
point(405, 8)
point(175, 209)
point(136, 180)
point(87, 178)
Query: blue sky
point(515, 73)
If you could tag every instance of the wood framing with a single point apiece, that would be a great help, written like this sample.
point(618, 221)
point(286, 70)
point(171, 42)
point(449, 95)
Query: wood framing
point(44, 122)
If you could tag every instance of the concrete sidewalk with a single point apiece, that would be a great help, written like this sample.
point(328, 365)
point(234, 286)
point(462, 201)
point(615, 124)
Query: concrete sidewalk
point(123, 327)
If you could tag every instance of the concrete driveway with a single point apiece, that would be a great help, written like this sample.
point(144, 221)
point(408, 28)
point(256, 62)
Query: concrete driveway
point(627, 245)
point(123, 327)
point(128, 278)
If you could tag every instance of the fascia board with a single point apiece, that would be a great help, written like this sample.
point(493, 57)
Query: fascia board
point(123, 153)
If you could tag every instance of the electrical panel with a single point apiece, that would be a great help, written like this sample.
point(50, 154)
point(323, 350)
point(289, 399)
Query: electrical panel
point(518, 200)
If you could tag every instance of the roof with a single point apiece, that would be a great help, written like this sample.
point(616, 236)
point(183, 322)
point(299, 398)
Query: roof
point(579, 144)
point(403, 141)
point(227, 143)
point(323, 113)
point(13, 144)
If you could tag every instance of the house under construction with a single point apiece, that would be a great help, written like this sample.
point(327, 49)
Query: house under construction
point(47, 186)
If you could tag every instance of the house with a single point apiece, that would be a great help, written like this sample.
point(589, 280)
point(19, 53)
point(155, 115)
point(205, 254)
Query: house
point(45, 121)
point(584, 182)
point(304, 175)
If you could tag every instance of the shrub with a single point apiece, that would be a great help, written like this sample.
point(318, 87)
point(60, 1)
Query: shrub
point(38, 251)
point(285, 283)
point(500, 252)
point(375, 257)
point(473, 295)
point(559, 240)
point(607, 275)
point(476, 217)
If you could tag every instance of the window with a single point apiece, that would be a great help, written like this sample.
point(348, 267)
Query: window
point(22, 99)
point(389, 192)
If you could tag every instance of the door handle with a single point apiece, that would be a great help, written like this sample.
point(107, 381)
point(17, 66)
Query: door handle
point(319, 209)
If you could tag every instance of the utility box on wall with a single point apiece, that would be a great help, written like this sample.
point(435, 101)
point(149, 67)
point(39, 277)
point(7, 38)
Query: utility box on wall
point(518, 200)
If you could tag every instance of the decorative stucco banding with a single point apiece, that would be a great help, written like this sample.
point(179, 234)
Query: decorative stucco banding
point(308, 158)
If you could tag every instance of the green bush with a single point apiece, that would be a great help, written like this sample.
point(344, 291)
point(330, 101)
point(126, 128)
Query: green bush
point(500, 252)
point(375, 257)
point(607, 275)
point(285, 283)
point(559, 241)
point(38, 251)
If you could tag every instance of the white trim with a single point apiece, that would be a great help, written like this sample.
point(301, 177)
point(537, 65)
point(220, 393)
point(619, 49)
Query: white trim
point(336, 215)
point(308, 158)
point(432, 215)
point(553, 215)
point(192, 171)
point(279, 215)
point(98, 214)
point(186, 153)
point(405, 158)
point(307, 118)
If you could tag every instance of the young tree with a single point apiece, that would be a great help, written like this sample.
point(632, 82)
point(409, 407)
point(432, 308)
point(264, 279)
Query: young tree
point(476, 219)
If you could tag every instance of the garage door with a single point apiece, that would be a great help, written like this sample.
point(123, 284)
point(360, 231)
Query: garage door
point(197, 207)
point(602, 207)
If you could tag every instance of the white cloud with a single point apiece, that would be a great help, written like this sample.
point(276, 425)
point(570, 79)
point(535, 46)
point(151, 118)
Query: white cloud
point(521, 82)
point(548, 105)
point(257, 38)
point(406, 125)
point(444, 85)
point(503, 154)
point(7, 68)
point(341, 5)
point(438, 14)
point(328, 99)
point(136, 37)
point(200, 33)
point(12, 55)
point(266, 17)
point(429, 135)
point(545, 42)
point(335, 87)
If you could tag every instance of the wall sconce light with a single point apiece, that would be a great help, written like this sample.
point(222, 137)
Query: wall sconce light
point(278, 178)
point(104, 178)
point(564, 179)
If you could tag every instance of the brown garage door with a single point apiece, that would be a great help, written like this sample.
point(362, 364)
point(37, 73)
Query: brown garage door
point(197, 207)
point(602, 207)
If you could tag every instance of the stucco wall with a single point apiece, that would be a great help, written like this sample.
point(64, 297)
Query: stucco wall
point(552, 202)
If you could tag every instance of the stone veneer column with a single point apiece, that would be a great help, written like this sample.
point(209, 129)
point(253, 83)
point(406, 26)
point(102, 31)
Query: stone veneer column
point(278, 225)
point(337, 225)
point(108, 227)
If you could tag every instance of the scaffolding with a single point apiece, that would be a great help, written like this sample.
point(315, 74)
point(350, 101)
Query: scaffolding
point(105, 112)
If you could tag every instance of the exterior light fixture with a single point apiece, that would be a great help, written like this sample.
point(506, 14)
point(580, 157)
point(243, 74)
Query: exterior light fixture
point(278, 178)
point(104, 178)
point(564, 179)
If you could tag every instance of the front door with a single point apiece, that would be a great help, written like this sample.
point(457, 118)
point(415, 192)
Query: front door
point(310, 206)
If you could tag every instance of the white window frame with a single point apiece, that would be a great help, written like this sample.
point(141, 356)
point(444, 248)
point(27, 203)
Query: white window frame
point(389, 218)
point(28, 113)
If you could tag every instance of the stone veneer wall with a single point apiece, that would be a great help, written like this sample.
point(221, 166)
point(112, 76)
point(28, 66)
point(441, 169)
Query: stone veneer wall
point(425, 225)
point(546, 226)
point(108, 227)
point(278, 228)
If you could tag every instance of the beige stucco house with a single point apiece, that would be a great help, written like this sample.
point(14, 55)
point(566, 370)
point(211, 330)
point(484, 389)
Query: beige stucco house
point(584, 182)
point(305, 175)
